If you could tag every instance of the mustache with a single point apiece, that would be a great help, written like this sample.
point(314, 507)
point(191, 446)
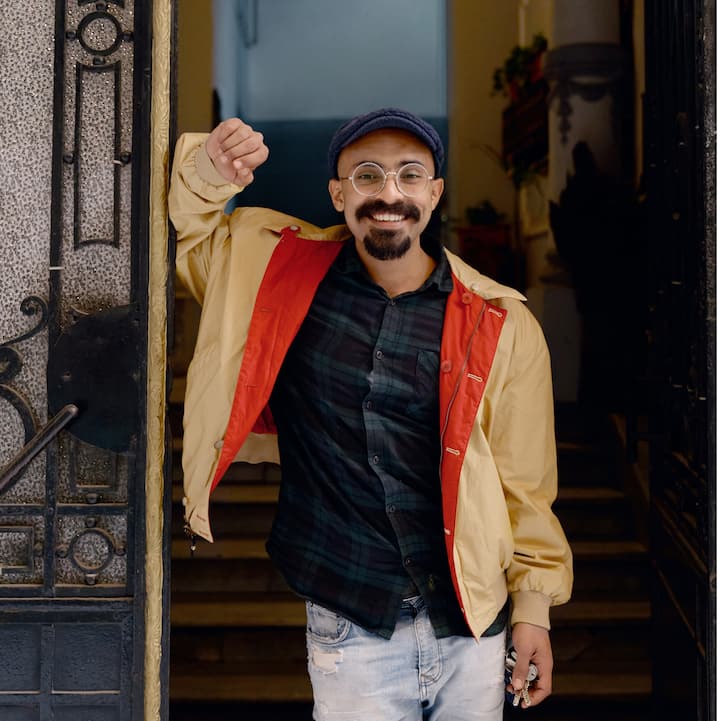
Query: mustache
point(371, 207)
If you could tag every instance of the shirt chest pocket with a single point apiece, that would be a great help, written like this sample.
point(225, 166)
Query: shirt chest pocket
point(424, 397)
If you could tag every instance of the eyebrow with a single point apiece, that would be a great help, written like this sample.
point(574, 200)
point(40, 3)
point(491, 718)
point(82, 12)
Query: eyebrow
point(399, 165)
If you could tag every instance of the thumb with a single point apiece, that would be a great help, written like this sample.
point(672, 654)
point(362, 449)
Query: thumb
point(520, 673)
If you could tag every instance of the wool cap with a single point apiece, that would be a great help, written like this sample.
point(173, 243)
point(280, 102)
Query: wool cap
point(395, 118)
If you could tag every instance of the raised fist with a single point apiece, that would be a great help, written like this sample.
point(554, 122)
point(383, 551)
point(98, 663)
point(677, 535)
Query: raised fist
point(236, 150)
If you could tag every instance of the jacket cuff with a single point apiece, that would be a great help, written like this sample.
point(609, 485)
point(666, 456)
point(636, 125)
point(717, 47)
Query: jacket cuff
point(206, 170)
point(530, 607)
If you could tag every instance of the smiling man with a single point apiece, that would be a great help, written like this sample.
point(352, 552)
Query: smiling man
point(408, 400)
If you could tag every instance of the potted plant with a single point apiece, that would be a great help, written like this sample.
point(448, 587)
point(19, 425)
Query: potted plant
point(484, 213)
point(521, 69)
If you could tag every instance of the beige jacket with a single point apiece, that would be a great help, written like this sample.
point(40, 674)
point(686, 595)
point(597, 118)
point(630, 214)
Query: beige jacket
point(498, 467)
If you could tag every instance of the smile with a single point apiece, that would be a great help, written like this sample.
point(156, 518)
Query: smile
point(387, 217)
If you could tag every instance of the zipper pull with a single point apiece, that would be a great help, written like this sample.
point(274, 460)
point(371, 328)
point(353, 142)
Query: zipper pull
point(193, 539)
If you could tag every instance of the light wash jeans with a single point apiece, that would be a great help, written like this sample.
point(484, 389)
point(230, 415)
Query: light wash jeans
point(414, 676)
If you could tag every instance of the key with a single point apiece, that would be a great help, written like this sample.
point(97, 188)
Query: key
point(525, 694)
point(522, 694)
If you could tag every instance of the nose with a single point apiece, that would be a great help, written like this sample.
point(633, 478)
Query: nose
point(391, 190)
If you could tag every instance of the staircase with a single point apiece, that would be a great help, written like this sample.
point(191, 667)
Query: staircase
point(238, 641)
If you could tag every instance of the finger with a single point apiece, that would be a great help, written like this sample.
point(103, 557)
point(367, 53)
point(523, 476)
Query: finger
point(220, 133)
point(520, 672)
point(244, 177)
point(253, 159)
point(231, 127)
point(251, 153)
point(243, 140)
point(539, 691)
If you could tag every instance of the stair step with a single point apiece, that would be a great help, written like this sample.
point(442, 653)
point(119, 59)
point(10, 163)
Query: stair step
point(589, 494)
point(230, 493)
point(280, 682)
point(254, 548)
point(251, 548)
point(251, 681)
point(616, 550)
point(285, 609)
point(595, 613)
point(586, 686)
point(192, 575)
point(594, 512)
point(247, 609)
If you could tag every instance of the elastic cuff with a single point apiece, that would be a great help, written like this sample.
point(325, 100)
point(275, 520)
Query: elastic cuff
point(206, 170)
point(530, 607)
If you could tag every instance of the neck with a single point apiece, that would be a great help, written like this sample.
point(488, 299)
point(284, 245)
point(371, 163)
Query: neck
point(399, 275)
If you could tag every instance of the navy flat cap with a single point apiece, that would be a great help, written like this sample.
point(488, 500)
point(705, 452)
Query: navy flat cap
point(360, 126)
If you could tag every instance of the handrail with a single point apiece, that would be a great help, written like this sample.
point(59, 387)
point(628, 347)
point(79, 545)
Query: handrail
point(36, 444)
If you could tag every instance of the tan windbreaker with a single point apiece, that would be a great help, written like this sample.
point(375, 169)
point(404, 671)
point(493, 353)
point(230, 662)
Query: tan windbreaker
point(503, 536)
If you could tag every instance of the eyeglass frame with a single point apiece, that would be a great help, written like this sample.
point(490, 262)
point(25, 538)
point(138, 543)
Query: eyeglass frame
point(386, 174)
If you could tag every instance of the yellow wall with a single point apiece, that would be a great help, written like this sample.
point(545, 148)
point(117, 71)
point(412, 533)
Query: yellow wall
point(194, 66)
point(481, 34)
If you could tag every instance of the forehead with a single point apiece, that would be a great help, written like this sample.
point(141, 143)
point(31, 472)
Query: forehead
point(388, 147)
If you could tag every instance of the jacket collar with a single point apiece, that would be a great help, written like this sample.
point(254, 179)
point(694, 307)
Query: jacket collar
point(478, 283)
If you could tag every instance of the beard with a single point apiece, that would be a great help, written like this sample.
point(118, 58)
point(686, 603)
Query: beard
point(387, 244)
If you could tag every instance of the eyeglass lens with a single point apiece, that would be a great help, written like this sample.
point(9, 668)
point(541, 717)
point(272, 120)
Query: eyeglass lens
point(370, 178)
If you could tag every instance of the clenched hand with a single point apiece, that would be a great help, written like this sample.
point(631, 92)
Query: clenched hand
point(236, 150)
point(532, 643)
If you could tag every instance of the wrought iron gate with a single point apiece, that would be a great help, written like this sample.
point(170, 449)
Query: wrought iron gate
point(679, 175)
point(82, 577)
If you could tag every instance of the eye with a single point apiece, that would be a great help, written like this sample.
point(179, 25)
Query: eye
point(368, 174)
point(414, 176)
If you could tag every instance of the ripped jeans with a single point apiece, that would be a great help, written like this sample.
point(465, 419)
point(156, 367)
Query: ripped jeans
point(413, 676)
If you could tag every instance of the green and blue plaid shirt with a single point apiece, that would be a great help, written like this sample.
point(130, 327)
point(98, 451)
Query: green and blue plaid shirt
point(359, 524)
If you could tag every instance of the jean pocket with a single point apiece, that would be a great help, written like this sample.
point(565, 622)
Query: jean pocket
point(324, 625)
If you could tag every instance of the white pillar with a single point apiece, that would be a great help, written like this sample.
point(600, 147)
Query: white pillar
point(584, 67)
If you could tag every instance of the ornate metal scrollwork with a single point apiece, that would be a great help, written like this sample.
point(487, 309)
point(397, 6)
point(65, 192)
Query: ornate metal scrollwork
point(11, 364)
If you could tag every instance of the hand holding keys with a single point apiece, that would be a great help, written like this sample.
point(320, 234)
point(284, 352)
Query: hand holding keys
point(522, 694)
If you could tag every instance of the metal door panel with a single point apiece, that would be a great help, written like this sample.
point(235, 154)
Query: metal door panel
point(75, 253)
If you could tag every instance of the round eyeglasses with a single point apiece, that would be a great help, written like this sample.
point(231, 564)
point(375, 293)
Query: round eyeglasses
point(370, 178)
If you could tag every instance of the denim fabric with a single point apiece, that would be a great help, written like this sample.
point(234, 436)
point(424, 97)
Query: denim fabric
point(413, 676)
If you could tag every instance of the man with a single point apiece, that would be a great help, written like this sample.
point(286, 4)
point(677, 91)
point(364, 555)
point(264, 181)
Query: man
point(411, 400)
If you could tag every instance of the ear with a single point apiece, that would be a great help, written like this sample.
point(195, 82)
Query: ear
point(436, 191)
point(336, 194)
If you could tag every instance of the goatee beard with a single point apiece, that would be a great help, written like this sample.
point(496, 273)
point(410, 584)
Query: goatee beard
point(382, 244)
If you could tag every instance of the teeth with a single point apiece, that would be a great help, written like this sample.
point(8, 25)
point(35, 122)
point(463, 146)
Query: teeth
point(387, 217)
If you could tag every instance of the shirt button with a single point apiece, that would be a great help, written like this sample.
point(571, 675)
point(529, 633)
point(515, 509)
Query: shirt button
point(391, 508)
point(295, 227)
point(379, 354)
point(408, 561)
point(446, 366)
point(369, 405)
point(467, 298)
point(376, 460)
